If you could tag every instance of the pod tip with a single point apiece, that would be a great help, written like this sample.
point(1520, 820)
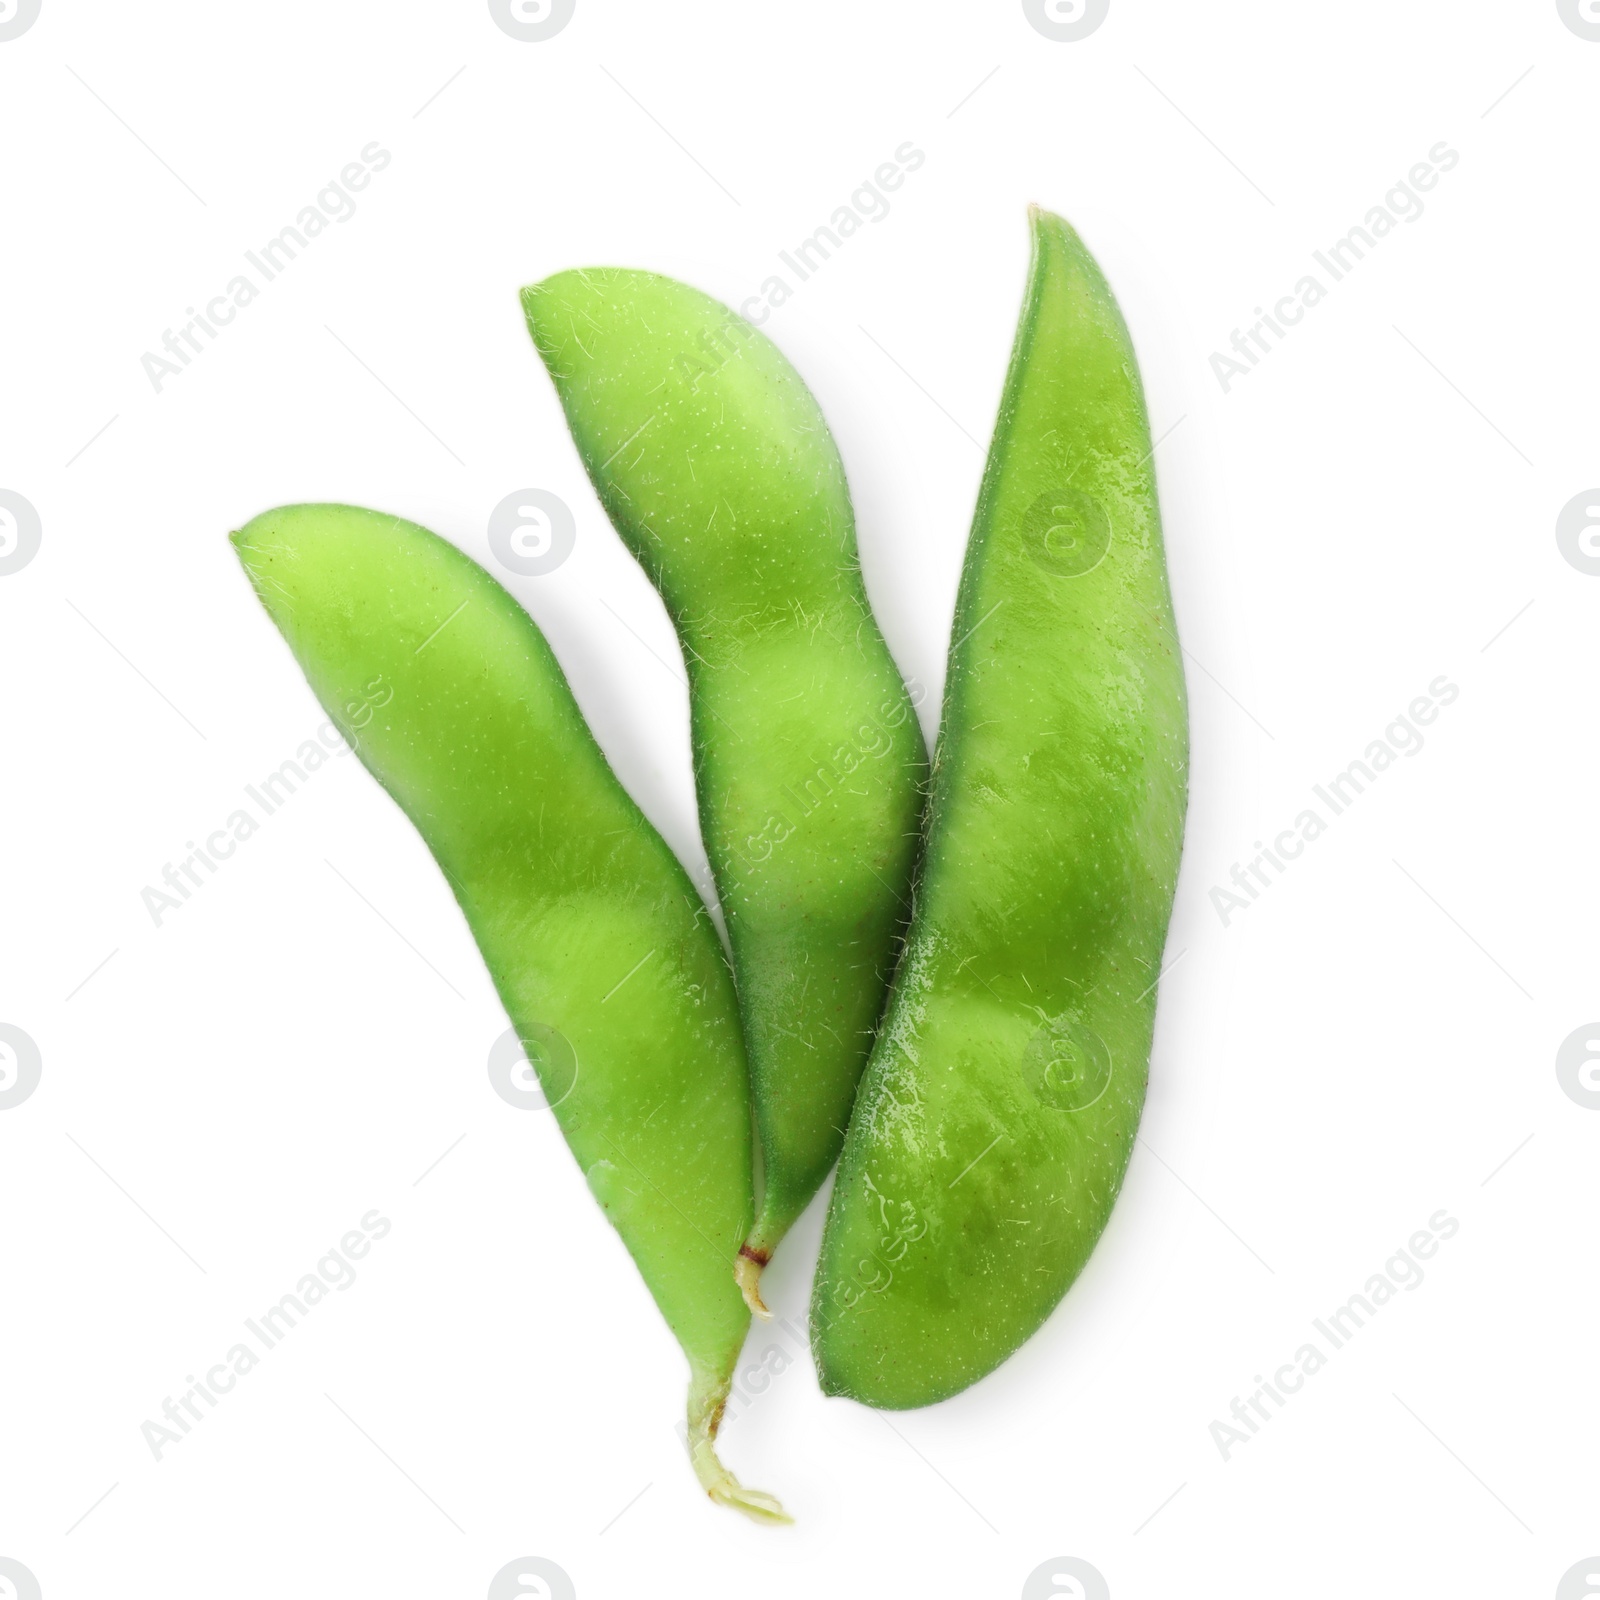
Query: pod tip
point(755, 1503)
point(705, 1414)
point(747, 1267)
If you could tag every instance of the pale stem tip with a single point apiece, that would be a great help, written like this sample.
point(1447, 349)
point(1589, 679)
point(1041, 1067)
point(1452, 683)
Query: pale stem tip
point(747, 1274)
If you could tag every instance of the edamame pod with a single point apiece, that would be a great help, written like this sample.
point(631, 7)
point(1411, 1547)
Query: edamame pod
point(714, 462)
point(598, 945)
point(998, 1112)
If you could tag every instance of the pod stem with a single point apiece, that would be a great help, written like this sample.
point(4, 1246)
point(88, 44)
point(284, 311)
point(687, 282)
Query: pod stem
point(708, 1394)
point(747, 1267)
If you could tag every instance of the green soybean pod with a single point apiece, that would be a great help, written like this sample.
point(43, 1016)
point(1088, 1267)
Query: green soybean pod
point(598, 945)
point(714, 462)
point(997, 1115)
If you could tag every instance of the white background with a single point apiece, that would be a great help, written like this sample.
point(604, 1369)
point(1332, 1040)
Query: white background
point(1374, 1039)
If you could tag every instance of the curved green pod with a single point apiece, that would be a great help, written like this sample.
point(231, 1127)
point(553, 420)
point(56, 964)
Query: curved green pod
point(998, 1112)
point(714, 462)
point(598, 944)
